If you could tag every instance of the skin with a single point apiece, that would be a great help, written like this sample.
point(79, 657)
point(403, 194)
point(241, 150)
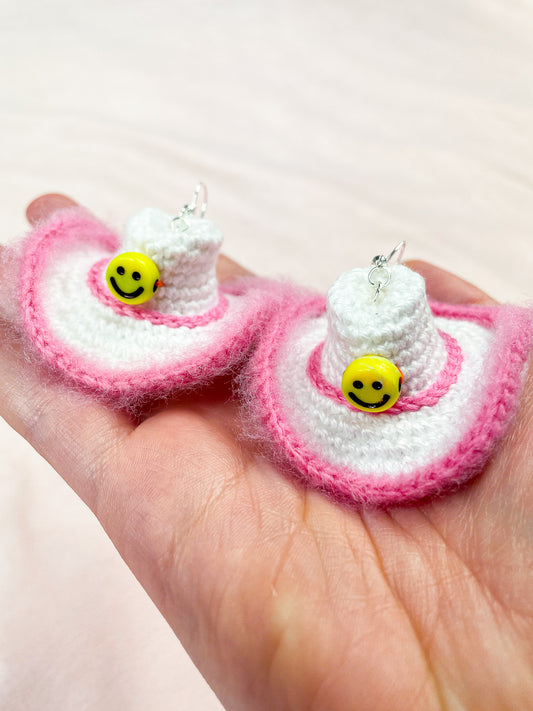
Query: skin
point(283, 599)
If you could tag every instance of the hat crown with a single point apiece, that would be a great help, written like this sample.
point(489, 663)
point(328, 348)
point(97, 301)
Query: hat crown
point(398, 325)
point(186, 259)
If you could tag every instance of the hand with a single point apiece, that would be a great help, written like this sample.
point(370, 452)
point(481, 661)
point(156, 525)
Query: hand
point(283, 599)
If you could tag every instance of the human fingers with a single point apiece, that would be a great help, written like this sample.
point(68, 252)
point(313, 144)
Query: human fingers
point(45, 205)
point(40, 406)
point(447, 287)
point(74, 433)
point(229, 269)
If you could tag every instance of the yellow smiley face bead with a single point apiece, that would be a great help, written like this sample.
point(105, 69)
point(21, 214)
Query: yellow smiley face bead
point(372, 383)
point(132, 277)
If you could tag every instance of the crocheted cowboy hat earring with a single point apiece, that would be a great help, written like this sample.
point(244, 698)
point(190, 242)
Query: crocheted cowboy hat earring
point(378, 397)
point(137, 318)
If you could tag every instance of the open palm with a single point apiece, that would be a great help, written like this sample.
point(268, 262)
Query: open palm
point(283, 599)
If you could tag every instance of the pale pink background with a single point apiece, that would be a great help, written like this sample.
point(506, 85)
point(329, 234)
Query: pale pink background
point(326, 132)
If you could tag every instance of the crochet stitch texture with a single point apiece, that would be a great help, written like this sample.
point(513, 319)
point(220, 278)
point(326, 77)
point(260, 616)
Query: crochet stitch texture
point(463, 366)
point(126, 353)
point(464, 389)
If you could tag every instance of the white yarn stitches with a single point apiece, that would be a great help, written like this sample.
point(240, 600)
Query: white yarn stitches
point(379, 445)
point(398, 325)
point(186, 260)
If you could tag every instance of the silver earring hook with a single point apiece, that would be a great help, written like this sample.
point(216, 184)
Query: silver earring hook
point(379, 275)
point(180, 221)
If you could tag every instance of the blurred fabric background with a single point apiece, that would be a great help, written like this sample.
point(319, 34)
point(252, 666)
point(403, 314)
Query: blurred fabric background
point(326, 133)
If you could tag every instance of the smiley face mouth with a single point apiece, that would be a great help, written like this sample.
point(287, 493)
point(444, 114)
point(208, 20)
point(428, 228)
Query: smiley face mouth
point(125, 294)
point(369, 405)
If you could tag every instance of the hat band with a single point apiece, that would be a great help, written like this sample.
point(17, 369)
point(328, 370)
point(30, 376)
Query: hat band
point(410, 403)
point(101, 292)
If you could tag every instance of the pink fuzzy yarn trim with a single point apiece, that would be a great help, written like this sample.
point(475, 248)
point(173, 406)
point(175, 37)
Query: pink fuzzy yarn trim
point(101, 292)
point(504, 370)
point(410, 403)
point(126, 386)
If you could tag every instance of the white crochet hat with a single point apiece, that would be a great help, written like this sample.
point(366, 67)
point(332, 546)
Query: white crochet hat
point(189, 331)
point(462, 369)
point(186, 260)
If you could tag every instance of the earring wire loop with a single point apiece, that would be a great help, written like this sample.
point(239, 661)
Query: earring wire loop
point(379, 275)
point(188, 210)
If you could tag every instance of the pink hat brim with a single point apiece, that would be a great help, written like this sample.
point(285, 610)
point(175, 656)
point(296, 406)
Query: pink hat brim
point(271, 407)
point(74, 228)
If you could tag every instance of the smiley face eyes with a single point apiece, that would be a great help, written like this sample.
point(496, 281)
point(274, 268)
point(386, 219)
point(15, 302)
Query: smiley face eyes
point(358, 384)
point(122, 271)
